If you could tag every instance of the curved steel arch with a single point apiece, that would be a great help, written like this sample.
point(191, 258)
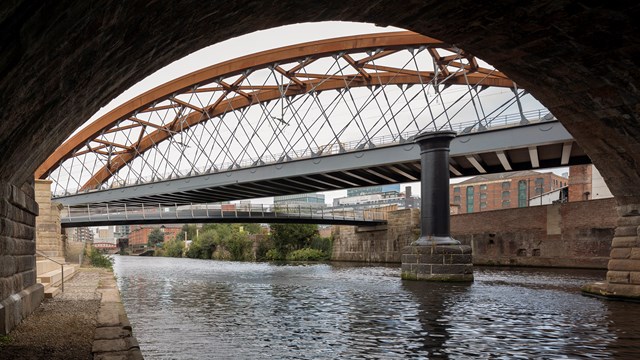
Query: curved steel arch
point(467, 72)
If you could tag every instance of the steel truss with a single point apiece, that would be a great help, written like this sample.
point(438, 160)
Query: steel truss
point(301, 101)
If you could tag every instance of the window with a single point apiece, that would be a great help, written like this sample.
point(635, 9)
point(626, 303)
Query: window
point(506, 185)
point(506, 203)
point(539, 186)
point(456, 190)
point(522, 193)
point(483, 187)
point(483, 205)
point(469, 199)
point(506, 194)
point(456, 199)
point(483, 196)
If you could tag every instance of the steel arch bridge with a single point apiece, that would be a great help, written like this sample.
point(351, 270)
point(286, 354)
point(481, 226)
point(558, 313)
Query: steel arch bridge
point(297, 102)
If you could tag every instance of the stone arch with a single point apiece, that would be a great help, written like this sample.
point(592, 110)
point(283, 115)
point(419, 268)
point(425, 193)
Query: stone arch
point(60, 69)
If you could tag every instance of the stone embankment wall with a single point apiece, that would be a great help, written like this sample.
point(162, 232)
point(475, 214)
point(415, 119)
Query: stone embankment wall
point(351, 243)
point(48, 233)
point(19, 293)
point(575, 234)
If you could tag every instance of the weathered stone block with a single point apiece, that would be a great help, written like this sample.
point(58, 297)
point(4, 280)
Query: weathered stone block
point(625, 242)
point(621, 277)
point(635, 253)
point(452, 269)
point(634, 277)
point(624, 265)
point(626, 231)
point(620, 253)
point(628, 210)
point(628, 221)
point(25, 262)
point(409, 258)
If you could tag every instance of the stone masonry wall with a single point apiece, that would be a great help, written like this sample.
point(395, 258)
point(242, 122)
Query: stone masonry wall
point(567, 235)
point(623, 277)
point(351, 243)
point(19, 293)
point(48, 228)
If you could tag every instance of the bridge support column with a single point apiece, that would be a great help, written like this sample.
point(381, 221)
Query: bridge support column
point(436, 256)
point(623, 275)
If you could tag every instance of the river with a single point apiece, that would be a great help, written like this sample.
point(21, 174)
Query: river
point(204, 309)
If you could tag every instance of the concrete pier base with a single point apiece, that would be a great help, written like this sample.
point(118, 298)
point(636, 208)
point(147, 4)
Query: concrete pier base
point(437, 263)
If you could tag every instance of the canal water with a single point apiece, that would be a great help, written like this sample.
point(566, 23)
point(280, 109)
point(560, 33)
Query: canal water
point(202, 309)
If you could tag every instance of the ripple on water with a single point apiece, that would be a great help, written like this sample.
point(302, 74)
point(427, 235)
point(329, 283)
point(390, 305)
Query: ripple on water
point(186, 309)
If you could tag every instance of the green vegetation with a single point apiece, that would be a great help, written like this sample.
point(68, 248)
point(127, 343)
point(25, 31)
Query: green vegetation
point(98, 259)
point(296, 242)
point(235, 242)
point(173, 248)
point(5, 340)
point(156, 237)
point(307, 254)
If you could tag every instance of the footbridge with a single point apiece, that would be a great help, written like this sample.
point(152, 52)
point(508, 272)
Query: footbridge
point(100, 215)
point(327, 115)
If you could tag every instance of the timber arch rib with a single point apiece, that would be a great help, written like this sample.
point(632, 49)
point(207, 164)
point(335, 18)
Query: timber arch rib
point(122, 136)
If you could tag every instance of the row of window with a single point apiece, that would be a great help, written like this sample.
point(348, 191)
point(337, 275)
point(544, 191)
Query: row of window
point(523, 194)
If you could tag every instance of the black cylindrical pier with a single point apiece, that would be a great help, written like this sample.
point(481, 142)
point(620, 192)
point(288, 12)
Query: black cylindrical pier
point(434, 207)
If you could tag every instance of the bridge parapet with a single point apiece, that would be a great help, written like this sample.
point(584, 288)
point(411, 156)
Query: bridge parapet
point(97, 215)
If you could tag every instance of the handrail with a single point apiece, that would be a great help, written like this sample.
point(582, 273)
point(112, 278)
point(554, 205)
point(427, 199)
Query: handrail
point(198, 210)
point(38, 252)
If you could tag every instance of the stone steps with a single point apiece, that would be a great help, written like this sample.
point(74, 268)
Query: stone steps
point(51, 280)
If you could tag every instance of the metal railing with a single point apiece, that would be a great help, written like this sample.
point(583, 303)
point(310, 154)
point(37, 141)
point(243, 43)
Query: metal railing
point(40, 253)
point(193, 211)
point(497, 122)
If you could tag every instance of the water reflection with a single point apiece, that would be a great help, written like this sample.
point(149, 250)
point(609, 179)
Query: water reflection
point(186, 309)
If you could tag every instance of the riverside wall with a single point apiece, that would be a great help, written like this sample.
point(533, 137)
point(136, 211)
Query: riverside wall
point(576, 234)
point(20, 295)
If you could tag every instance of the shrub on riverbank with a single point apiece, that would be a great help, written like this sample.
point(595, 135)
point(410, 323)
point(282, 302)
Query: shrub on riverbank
point(97, 259)
point(307, 254)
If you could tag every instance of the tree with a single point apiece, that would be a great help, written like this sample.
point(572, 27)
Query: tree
point(289, 237)
point(204, 245)
point(156, 236)
point(173, 248)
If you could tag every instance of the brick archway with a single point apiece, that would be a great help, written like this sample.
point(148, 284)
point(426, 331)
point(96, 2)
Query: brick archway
point(61, 61)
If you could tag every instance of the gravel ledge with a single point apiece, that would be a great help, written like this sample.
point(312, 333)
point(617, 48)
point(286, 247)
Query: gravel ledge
point(113, 338)
point(87, 321)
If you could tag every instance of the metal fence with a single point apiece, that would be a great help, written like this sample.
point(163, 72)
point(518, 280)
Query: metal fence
point(169, 212)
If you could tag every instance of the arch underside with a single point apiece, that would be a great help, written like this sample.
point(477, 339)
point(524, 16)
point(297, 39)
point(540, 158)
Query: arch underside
point(276, 82)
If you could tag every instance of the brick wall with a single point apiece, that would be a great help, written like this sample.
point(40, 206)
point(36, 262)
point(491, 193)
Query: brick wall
point(565, 235)
point(580, 177)
point(575, 234)
point(19, 293)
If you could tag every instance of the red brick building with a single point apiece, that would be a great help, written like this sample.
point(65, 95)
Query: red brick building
point(502, 191)
point(139, 235)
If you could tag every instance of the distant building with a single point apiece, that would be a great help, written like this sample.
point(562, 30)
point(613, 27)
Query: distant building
point(311, 199)
point(139, 235)
point(104, 235)
point(365, 198)
point(81, 234)
point(586, 183)
point(503, 191)
point(373, 190)
point(121, 232)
